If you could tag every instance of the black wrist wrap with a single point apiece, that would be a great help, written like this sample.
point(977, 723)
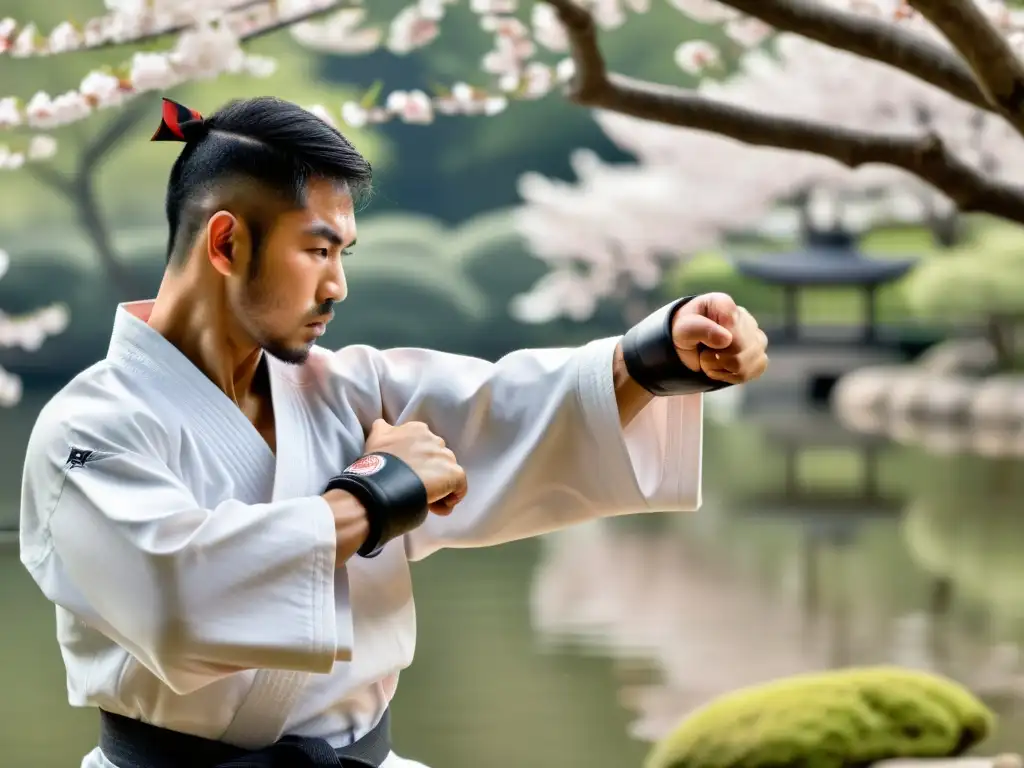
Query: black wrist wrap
point(393, 494)
point(653, 362)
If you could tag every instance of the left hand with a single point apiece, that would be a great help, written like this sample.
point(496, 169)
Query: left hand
point(720, 339)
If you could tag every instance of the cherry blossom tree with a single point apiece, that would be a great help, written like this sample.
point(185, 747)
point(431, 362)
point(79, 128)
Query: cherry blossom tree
point(967, 48)
point(963, 51)
point(614, 229)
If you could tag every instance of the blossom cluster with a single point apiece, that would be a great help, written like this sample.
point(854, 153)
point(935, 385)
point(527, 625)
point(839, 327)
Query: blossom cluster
point(212, 32)
point(27, 332)
point(689, 190)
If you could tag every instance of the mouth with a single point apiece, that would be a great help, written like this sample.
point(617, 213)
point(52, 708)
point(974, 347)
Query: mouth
point(319, 327)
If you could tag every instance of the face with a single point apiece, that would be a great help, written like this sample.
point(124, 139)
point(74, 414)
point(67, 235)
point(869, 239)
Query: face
point(285, 303)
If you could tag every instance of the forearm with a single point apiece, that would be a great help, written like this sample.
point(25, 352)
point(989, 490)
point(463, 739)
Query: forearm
point(350, 523)
point(630, 397)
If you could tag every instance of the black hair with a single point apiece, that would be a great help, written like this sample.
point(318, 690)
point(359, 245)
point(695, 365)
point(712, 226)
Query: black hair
point(256, 147)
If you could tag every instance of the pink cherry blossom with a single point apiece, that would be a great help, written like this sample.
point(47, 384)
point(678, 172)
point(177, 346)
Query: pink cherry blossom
point(27, 332)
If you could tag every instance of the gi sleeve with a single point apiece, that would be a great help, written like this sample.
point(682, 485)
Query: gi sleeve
point(111, 535)
point(540, 438)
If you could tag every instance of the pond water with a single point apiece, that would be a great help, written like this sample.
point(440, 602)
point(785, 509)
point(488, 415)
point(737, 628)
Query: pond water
point(814, 548)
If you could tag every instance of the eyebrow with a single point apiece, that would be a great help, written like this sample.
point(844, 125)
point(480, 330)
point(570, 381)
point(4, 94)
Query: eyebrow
point(327, 233)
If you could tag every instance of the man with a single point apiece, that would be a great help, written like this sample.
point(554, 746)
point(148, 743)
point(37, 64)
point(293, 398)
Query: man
point(224, 513)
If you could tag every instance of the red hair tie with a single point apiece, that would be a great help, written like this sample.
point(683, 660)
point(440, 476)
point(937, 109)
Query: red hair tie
point(179, 123)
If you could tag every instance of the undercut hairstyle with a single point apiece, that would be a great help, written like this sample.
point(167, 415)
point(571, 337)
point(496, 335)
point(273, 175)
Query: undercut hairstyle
point(259, 155)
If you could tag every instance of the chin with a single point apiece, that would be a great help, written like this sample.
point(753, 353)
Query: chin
point(292, 355)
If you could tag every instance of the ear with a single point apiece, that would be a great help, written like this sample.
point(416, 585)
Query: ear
point(222, 233)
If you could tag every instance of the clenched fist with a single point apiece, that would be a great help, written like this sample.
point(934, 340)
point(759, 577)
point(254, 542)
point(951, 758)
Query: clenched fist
point(427, 455)
point(715, 337)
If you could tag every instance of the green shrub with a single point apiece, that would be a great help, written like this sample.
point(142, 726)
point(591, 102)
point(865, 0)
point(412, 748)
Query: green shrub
point(836, 719)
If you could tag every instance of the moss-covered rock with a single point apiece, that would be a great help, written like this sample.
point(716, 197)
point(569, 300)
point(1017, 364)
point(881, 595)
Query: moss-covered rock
point(837, 719)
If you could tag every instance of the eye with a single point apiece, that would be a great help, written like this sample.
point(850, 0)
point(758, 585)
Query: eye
point(346, 252)
point(321, 252)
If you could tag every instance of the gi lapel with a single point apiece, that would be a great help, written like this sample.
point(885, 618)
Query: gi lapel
point(242, 453)
point(273, 694)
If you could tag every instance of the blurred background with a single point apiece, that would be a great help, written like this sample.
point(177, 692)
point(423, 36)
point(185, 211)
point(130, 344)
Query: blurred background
point(864, 502)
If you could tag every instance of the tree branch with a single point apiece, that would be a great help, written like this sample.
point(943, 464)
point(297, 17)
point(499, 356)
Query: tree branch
point(113, 132)
point(51, 177)
point(995, 64)
point(924, 155)
point(871, 38)
point(179, 27)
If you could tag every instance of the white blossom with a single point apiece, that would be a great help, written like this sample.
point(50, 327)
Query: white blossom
point(696, 56)
point(565, 70)
point(706, 11)
point(64, 37)
point(487, 7)
point(410, 30)
point(7, 29)
point(411, 106)
point(101, 89)
point(152, 72)
point(354, 114)
point(10, 115)
point(548, 30)
point(747, 31)
point(538, 80)
point(342, 33)
point(25, 42)
point(42, 147)
point(207, 50)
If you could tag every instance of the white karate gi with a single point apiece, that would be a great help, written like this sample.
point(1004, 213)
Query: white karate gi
point(194, 573)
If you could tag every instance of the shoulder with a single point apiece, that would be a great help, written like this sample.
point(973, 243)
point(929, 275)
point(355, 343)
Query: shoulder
point(362, 366)
point(104, 409)
point(376, 382)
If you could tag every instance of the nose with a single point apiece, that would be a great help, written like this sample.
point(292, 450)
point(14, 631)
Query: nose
point(335, 287)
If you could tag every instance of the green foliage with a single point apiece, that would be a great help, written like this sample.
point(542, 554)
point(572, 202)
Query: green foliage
point(836, 719)
point(973, 282)
point(412, 282)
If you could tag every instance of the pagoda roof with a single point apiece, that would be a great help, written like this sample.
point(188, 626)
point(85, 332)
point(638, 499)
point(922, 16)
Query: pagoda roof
point(817, 266)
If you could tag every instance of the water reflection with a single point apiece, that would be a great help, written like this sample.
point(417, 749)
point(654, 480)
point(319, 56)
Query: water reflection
point(816, 548)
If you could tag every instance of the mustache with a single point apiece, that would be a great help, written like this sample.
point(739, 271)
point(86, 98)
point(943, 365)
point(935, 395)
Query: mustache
point(327, 308)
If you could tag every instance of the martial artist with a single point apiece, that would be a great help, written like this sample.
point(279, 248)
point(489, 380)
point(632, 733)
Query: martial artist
point(224, 513)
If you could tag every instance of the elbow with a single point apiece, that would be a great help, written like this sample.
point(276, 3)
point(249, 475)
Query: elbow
point(173, 656)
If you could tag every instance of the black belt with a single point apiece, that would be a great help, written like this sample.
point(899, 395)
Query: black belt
point(129, 743)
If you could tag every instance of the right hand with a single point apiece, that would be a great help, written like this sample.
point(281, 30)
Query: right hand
point(427, 455)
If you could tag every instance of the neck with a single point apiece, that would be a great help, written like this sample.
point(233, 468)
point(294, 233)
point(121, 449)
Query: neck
point(193, 315)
